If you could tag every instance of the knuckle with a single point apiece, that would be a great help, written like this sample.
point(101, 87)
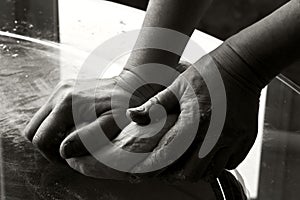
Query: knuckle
point(29, 128)
point(41, 138)
point(26, 133)
point(38, 142)
point(68, 96)
point(67, 99)
point(182, 66)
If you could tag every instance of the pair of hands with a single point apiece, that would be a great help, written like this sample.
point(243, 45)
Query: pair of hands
point(52, 129)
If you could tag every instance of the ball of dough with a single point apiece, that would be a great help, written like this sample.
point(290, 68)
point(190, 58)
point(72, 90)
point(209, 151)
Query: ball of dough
point(133, 138)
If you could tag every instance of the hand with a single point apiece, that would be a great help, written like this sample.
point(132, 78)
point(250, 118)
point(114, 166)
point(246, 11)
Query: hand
point(237, 137)
point(54, 121)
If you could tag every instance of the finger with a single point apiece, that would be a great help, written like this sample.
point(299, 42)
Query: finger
point(174, 143)
point(133, 138)
point(45, 110)
point(182, 66)
point(36, 121)
point(52, 131)
point(72, 145)
point(141, 114)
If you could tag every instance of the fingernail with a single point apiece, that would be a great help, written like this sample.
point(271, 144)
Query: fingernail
point(139, 117)
point(67, 150)
point(135, 112)
point(138, 109)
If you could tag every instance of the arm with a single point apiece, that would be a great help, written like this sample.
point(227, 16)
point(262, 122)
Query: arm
point(263, 50)
point(178, 15)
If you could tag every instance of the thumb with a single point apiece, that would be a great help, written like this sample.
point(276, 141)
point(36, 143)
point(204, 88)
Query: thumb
point(155, 108)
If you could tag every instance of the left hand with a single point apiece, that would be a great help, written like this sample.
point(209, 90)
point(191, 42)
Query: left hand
point(52, 129)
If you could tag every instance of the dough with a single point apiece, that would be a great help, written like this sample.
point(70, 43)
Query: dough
point(134, 138)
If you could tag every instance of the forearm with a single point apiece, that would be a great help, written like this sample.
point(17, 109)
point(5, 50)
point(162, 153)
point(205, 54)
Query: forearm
point(265, 48)
point(177, 15)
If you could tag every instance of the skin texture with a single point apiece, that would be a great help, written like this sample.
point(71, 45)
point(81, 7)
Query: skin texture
point(248, 61)
point(240, 124)
point(240, 128)
point(130, 140)
point(243, 81)
point(54, 121)
point(177, 15)
point(270, 45)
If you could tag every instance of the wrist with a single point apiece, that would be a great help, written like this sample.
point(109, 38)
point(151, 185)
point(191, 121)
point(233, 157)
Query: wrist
point(233, 63)
point(142, 56)
point(146, 79)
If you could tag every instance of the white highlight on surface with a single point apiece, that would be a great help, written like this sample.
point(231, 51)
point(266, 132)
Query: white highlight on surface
point(220, 186)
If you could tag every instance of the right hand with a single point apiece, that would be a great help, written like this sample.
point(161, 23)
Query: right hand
point(238, 134)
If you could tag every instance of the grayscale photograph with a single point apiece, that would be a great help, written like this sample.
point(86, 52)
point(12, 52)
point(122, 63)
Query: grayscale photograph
point(149, 100)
